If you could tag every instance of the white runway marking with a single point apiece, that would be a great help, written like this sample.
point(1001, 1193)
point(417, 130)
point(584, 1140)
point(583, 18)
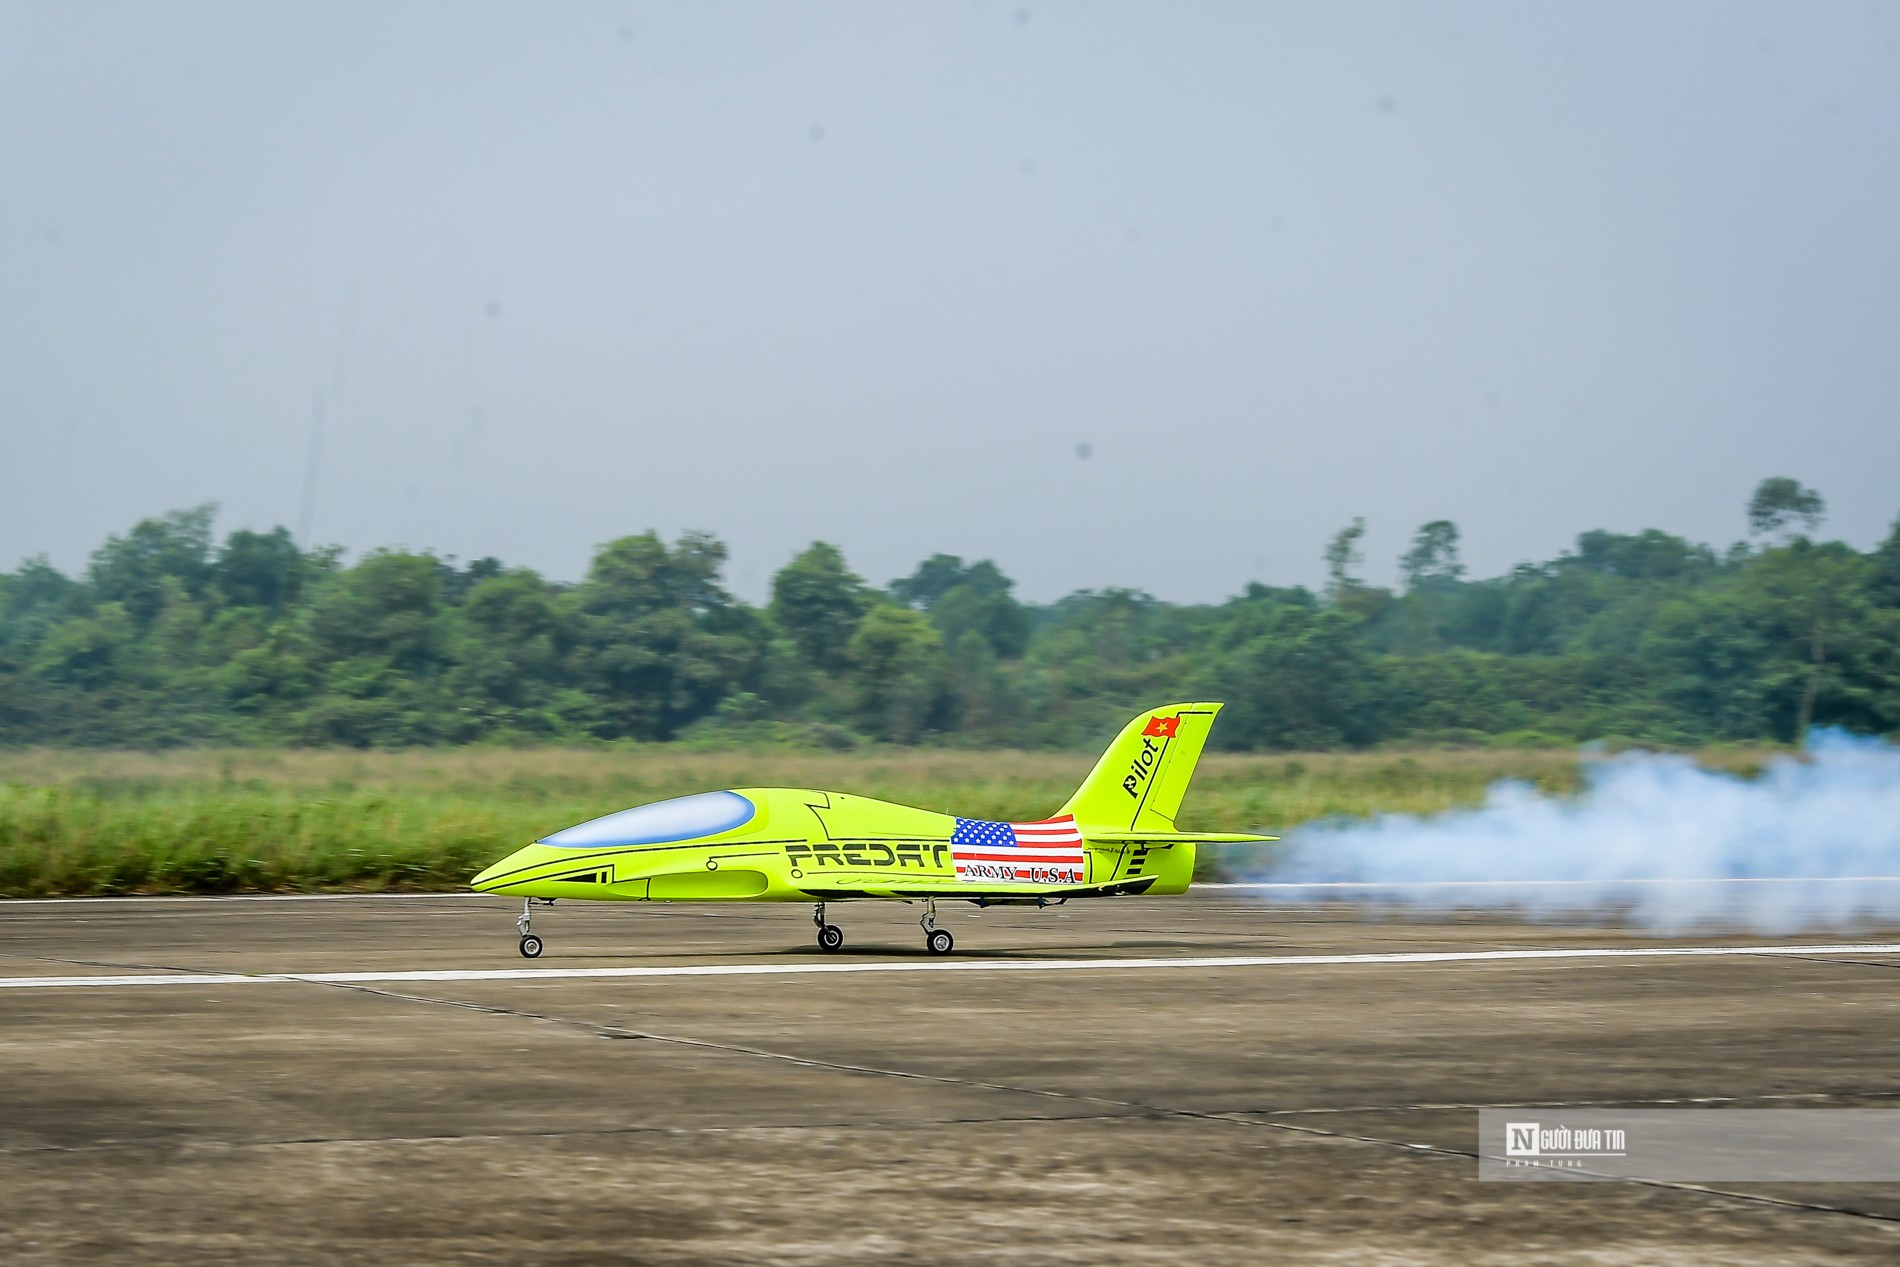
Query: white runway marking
point(959, 965)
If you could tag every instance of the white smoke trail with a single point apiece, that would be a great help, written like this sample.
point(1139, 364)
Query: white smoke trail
point(1654, 839)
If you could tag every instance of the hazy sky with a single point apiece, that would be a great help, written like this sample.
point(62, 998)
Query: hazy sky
point(875, 273)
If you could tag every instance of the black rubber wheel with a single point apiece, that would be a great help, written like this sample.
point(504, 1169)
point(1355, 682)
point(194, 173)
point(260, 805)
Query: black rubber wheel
point(830, 937)
point(940, 942)
point(530, 946)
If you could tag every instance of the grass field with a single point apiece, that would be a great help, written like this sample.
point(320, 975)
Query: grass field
point(83, 823)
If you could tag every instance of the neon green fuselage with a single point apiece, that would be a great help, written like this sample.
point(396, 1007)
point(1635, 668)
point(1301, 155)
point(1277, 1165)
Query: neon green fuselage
point(793, 845)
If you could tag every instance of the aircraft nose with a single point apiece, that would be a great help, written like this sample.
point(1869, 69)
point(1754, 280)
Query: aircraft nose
point(491, 879)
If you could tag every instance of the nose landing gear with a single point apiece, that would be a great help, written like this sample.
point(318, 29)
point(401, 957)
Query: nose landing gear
point(530, 944)
point(830, 936)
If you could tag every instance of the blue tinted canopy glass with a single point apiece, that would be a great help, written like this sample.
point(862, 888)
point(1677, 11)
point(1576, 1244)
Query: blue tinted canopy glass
point(683, 818)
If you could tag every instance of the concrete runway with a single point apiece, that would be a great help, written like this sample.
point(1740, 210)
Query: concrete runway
point(1202, 1080)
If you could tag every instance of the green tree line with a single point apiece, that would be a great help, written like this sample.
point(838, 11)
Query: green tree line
point(172, 636)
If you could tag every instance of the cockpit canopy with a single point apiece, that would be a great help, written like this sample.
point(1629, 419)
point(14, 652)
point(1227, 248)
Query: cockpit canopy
point(682, 818)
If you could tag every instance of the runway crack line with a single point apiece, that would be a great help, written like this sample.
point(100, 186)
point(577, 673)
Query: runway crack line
point(619, 1032)
point(103, 963)
point(1140, 1109)
point(1852, 963)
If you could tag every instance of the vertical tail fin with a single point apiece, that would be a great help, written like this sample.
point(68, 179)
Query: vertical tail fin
point(1139, 782)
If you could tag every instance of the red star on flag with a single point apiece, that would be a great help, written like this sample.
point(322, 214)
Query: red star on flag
point(1162, 727)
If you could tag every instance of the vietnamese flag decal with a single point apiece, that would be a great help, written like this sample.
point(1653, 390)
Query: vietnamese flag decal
point(1162, 727)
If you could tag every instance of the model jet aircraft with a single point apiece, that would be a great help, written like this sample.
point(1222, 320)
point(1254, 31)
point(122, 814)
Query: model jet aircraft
point(1115, 837)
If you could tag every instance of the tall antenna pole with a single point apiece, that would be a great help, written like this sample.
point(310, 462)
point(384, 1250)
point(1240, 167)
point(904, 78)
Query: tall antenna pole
point(313, 455)
point(312, 466)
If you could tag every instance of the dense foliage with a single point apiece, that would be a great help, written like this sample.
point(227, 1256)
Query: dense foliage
point(173, 637)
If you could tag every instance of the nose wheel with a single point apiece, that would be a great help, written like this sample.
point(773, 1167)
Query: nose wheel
point(830, 936)
point(937, 941)
point(530, 944)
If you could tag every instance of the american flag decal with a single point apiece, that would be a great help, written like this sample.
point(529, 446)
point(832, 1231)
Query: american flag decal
point(1048, 852)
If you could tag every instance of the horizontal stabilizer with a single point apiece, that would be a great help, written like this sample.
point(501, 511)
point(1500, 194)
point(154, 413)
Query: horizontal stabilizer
point(1174, 838)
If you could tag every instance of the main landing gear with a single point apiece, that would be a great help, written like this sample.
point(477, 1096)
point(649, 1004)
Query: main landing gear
point(830, 936)
point(530, 944)
point(937, 941)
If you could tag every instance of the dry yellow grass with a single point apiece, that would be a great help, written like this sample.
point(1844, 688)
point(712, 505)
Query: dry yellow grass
point(198, 819)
